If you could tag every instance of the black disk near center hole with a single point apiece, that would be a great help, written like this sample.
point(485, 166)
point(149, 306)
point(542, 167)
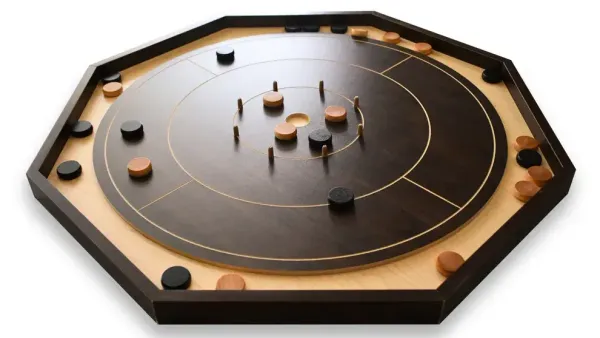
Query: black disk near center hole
point(304, 108)
point(318, 138)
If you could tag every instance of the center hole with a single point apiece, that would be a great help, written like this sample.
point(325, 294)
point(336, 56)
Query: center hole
point(298, 119)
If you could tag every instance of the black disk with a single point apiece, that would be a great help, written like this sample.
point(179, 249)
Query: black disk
point(528, 158)
point(310, 28)
point(68, 170)
point(116, 77)
point(132, 130)
point(292, 29)
point(492, 75)
point(318, 138)
point(340, 198)
point(339, 29)
point(82, 129)
point(176, 278)
point(225, 55)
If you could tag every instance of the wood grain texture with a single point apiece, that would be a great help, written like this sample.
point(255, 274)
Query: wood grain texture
point(415, 271)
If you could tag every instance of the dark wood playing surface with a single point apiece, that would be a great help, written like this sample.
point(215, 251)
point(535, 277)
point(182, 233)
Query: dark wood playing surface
point(433, 152)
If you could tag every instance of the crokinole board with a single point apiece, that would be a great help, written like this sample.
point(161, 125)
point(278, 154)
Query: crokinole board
point(433, 171)
point(430, 158)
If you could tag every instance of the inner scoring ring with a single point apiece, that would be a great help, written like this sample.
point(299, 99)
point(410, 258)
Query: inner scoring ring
point(261, 151)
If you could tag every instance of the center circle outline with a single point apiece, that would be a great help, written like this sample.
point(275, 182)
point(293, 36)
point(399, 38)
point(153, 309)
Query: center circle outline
point(299, 158)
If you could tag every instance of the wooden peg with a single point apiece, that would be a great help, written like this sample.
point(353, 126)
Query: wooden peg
point(359, 129)
point(321, 87)
point(240, 105)
point(324, 151)
point(275, 88)
point(356, 102)
point(271, 154)
point(236, 131)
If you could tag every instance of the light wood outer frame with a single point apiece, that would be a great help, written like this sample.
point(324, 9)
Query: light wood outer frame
point(343, 306)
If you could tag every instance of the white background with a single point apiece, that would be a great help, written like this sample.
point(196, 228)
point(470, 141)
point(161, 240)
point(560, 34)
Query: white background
point(50, 286)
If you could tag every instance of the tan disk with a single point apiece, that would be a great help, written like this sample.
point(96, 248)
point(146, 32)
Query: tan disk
point(423, 48)
point(273, 99)
point(538, 175)
point(285, 131)
point(391, 37)
point(526, 142)
point(139, 167)
point(335, 114)
point(359, 32)
point(449, 262)
point(112, 89)
point(231, 282)
point(525, 190)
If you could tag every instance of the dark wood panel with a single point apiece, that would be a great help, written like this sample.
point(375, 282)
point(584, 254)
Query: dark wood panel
point(465, 138)
point(314, 306)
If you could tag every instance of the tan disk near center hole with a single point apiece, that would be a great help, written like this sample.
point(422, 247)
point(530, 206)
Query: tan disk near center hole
point(285, 131)
point(298, 119)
